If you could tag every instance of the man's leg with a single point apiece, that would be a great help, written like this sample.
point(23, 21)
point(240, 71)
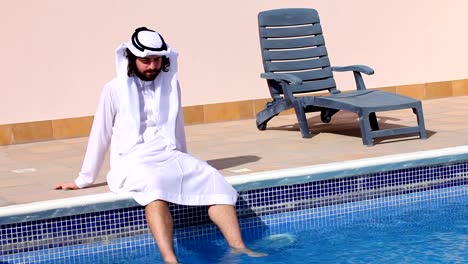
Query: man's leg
point(160, 222)
point(225, 217)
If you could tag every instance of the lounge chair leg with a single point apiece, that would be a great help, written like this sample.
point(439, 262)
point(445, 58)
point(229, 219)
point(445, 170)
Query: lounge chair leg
point(271, 110)
point(302, 120)
point(365, 129)
point(263, 117)
point(420, 118)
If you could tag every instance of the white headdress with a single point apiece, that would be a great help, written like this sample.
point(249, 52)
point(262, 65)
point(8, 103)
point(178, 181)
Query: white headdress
point(146, 42)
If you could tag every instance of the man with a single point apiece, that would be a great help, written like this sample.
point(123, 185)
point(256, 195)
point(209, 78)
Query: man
point(140, 113)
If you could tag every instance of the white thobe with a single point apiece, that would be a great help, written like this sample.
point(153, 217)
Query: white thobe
point(153, 169)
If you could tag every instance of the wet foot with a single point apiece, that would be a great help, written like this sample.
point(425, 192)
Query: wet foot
point(248, 252)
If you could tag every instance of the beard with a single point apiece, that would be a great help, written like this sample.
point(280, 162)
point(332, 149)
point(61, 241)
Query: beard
point(148, 75)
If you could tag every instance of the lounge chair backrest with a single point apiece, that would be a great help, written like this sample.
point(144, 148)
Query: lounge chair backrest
point(293, 43)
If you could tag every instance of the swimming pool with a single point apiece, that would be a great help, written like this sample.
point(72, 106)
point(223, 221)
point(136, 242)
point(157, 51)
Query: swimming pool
point(317, 197)
point(430, 229)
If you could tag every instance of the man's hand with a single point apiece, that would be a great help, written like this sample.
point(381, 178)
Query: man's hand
point(66, 186)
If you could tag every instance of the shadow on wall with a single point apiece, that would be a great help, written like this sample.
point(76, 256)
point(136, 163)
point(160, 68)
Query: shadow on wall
point(225, 163)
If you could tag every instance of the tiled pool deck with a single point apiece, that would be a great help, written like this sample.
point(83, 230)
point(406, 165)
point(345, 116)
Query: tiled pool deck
point(28, 172)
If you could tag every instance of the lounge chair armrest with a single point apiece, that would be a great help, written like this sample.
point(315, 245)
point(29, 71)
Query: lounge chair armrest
point(283, 78)
point(355, 68)
point(292, 79)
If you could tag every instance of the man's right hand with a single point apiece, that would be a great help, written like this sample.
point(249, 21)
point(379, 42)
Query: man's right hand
point(66, 186)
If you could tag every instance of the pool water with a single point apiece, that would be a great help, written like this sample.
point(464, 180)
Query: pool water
point(430, 231)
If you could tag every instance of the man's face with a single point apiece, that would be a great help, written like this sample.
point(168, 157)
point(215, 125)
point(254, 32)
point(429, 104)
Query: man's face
point(148, 67)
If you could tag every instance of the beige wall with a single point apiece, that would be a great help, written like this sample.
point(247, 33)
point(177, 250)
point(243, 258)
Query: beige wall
point(57, 54)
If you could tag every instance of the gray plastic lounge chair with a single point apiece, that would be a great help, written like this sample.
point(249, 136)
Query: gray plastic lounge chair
point(296, 62)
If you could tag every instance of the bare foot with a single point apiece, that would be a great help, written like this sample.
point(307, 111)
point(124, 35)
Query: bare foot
point(248, 252)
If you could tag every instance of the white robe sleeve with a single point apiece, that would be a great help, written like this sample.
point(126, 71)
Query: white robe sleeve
point(181, 143)
point(180, 133)
point(99, 139)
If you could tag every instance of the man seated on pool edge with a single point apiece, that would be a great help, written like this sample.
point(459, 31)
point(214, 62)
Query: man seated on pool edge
point(140, 113)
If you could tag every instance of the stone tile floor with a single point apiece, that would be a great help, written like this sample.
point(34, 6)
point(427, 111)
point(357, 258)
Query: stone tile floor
point(28, 172)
